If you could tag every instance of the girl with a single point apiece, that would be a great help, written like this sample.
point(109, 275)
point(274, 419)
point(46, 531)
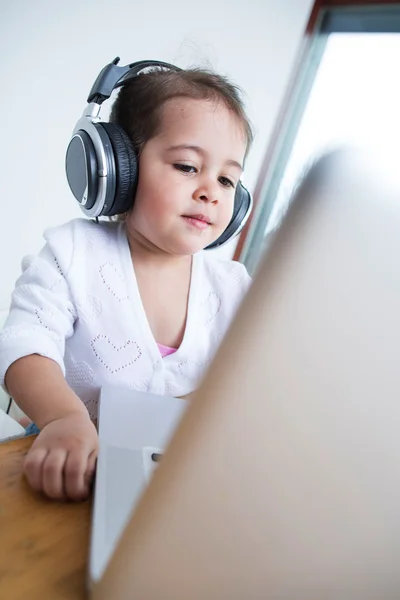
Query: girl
point(132, 302)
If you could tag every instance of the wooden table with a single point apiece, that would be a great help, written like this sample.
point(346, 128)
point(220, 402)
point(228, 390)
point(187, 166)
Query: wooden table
point(43, 544)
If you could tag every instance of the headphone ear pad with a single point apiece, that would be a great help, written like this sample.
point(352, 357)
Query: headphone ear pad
point(126, 169)
point(241, 211)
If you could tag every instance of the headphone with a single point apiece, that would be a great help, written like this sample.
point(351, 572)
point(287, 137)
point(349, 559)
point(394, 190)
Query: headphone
point(102, 166)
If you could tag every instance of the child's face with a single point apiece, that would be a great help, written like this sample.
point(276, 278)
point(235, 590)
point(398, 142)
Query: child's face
point(187, 177)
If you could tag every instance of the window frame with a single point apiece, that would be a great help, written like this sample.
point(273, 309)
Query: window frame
point(326, 17)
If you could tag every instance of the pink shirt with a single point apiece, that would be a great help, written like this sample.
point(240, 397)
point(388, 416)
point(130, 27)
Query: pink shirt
point(166, 350)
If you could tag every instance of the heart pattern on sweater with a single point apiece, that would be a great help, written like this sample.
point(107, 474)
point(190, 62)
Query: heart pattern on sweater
point(114, 281)
point(192, 369)
point(91, 309)
point(77, 373)
point(115, 358)
point(212, 306)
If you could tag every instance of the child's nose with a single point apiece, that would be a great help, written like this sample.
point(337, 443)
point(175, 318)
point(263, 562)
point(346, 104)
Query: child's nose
point(207, 192)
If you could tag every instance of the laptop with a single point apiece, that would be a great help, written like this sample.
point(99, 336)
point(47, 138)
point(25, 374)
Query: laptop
point(134, 429)
point(282, 479)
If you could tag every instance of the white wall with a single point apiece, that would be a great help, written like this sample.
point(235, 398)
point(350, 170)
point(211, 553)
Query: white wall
point(52, 51)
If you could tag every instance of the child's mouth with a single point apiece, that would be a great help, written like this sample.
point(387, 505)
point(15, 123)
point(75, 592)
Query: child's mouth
point(198, 221)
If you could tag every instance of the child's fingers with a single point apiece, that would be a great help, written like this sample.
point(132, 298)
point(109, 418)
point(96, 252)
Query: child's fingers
point(53, 474)
point(75, 468)
point(33, 467)
point(91, 468)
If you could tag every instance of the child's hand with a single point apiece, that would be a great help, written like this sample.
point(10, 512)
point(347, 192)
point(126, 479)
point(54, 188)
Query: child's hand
point(61, 461)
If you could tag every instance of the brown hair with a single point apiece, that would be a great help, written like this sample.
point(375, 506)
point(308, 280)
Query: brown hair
point(137, 108)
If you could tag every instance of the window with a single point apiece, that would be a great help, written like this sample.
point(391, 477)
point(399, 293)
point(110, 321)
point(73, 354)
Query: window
point(348, 92)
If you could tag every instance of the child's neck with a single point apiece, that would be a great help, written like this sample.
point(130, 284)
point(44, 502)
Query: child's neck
point(145, 253)
point(163, 281)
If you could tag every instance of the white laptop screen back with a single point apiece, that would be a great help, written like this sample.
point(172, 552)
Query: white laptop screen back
point(283, 478)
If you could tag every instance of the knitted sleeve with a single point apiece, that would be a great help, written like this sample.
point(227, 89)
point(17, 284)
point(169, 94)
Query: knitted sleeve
point(42, 312)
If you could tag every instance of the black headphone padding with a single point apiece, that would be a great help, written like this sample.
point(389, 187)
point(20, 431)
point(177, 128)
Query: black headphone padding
point(126, 167)
point(241, 207)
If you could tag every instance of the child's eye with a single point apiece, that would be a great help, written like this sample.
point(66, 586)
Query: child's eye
point(185, 168)
point(226, 182)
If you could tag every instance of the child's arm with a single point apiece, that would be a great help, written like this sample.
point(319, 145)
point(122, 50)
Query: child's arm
point(40, 390)
point(32, 347)
point(62, 459)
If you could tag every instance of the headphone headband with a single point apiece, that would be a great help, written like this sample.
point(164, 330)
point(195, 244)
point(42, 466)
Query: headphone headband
point(113, 76)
